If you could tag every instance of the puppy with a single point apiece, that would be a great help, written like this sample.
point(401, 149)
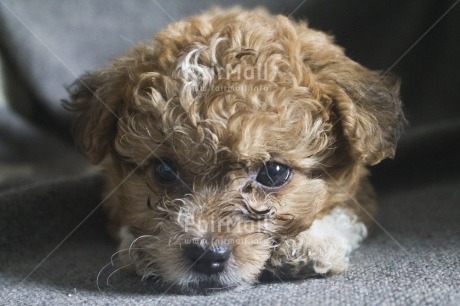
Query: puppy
point(237, 142)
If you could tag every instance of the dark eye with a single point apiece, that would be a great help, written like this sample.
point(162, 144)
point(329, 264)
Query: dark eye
point(166, 171)
point(273, 174)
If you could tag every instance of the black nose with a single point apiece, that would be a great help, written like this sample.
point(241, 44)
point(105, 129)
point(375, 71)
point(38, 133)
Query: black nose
point(208, 261)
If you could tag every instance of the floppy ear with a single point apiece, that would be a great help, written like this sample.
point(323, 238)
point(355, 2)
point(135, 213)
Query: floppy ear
point(368, 109)
point(96, 98)
point(366, 103)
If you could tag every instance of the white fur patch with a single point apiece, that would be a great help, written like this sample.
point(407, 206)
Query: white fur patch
point(126, 239)
point(330, 240)
point(342, 225)
point(325, 246)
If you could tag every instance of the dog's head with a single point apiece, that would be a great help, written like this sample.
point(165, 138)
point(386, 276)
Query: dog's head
point(230, 132)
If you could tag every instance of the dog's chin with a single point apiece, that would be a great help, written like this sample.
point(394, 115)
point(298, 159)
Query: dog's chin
point(195, 283)
point(206, 284)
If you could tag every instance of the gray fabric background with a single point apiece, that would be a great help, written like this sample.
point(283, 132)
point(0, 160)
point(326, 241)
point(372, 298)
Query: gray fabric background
point(47, 189)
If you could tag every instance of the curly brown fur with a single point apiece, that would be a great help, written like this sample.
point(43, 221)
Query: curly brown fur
point(221, 95)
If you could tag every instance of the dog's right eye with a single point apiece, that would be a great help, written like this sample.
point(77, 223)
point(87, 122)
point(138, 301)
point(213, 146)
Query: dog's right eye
point(273, 174)
point(166, 171)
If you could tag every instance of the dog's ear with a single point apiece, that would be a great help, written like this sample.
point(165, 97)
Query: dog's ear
point(368, 109)
point(366, 103)
point(95, 98)
point(367, 106)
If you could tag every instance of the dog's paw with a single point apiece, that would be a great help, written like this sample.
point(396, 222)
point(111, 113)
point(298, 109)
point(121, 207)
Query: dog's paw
point(324, 248)
point(307, 255)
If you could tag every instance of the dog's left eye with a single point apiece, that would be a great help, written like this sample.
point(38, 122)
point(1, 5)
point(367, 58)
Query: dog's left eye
point(273, 174)
point(166, 171)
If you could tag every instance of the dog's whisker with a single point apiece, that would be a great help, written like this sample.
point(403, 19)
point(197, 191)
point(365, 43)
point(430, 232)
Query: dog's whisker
point(112, 260)
point(131, 246)
point(111, 263)
point(99, 274)
point(121, 268)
